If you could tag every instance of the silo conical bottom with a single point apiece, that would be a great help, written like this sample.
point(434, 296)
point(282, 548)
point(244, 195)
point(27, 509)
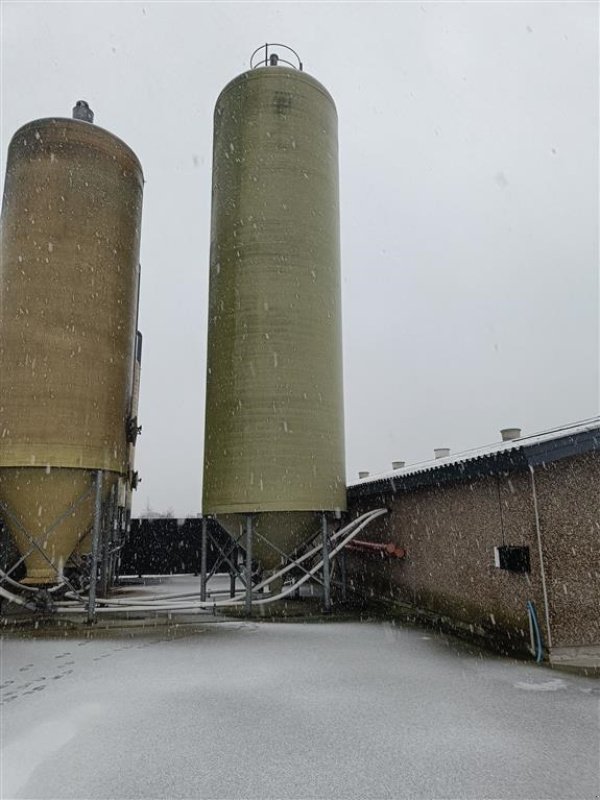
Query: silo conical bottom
point(284, 529)
point(38, 499)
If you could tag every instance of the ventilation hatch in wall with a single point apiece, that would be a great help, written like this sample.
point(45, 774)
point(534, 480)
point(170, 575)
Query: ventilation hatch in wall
point(513, 559)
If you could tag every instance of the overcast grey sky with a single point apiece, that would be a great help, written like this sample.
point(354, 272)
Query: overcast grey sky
point(469, 201)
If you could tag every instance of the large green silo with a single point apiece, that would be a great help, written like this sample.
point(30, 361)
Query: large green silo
point(69, 274)
point(274, 437)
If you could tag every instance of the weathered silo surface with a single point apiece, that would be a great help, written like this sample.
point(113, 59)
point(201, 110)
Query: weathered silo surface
point(71, 219)
point(135, 428)
point(274, 437)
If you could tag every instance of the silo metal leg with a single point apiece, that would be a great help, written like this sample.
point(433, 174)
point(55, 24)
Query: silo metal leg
point(249, 564)
point(106, 545)
point(233, 572)
point(344, 576)
point(116, 540)
point(91, 615)
point(203, 546)
point(326, 578)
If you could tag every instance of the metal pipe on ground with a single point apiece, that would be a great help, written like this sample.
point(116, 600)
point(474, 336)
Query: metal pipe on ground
point(346, 534)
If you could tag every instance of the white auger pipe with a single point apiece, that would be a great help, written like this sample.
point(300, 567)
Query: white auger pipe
point(332, 553)
point(4, 578)
point(14, 598)
point(157, 605)
point(158, 601)
point(312, 551)
point(154, 605)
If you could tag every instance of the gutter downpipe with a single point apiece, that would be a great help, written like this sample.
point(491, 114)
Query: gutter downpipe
point(541, 555)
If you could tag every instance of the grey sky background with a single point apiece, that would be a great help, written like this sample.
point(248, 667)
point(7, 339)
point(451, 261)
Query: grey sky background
point(469, 201)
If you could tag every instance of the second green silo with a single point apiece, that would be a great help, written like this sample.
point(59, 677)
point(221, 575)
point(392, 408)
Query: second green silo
point(274, 436)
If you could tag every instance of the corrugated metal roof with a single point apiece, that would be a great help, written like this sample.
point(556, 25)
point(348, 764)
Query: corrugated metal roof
point(547, 446)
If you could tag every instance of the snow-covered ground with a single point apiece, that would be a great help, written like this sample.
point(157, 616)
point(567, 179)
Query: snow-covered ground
point(290, 710)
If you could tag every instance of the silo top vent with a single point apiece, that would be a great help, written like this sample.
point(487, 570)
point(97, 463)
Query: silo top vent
point(82, 111)
point(264, 57)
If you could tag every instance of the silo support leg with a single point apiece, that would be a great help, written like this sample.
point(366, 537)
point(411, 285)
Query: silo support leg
point(233, 573)
point(224, 557)
point(115, 542)
point(344, 576)
point(285, 556)
point(91, 615)
point(203, 548)
point(249, 565)
point(106, 545)
point(326, 574)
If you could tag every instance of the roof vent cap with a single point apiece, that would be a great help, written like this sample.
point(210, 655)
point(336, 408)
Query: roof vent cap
point(363, 474)
point(441, 452)
point(398, 464)
point(508, 434)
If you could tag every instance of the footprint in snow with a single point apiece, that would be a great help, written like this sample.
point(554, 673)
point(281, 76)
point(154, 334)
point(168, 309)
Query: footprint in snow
point(35, 689)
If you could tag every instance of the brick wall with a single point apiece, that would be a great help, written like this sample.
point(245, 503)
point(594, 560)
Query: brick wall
point(450, 531)
point(569, 509)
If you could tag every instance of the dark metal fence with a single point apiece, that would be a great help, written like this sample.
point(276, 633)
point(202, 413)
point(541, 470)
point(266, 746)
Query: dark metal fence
point(166, 546)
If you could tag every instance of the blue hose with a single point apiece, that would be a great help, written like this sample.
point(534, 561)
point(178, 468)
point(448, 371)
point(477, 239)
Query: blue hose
point(539, 644)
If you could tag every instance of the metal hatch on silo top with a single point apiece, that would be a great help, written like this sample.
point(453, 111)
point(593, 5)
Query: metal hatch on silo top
point(71, 218)
point(274, 435)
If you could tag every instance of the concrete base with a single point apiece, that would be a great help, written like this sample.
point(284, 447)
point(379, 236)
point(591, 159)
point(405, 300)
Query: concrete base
point(583, 657)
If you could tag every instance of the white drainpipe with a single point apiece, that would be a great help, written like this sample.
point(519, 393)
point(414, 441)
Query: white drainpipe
point(539, 541)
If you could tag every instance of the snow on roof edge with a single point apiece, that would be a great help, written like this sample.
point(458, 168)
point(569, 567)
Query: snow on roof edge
point(549, 435)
